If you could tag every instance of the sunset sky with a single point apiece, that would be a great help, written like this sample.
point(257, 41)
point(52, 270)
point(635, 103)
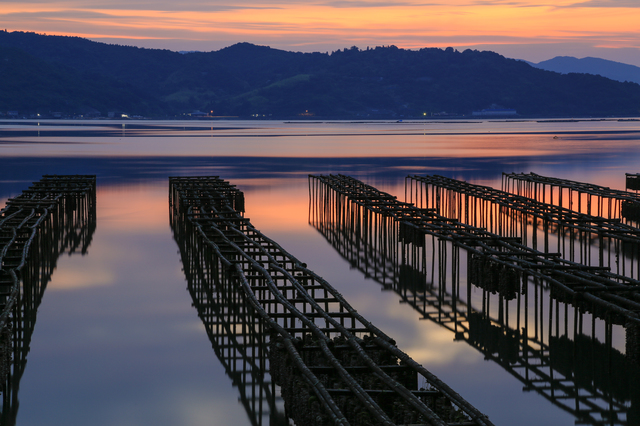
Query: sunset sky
point(524, 29)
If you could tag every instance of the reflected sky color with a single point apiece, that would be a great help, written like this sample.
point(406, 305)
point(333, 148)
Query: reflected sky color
point(333, 139)
point(522, 29)
point(114, 323)
point(118, 323)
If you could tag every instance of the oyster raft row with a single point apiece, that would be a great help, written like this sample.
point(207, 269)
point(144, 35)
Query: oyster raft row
point(332, 365)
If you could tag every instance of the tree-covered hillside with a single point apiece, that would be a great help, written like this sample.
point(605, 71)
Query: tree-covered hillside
point(32, 85)
point(70, 74)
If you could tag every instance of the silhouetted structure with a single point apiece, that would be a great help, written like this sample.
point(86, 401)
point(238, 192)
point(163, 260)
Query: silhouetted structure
point(578, 237)
point(632, 181)
point(332, 365)
point(54, 216)
point(544, 344)
point(579, 196)
point(237, 334)
point(500, 263)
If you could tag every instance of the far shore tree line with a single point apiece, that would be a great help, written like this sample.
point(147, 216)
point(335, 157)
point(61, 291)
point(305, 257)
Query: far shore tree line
point(60, 77)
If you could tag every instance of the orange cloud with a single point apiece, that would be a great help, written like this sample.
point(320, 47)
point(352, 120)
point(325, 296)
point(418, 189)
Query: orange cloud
point(338, 23)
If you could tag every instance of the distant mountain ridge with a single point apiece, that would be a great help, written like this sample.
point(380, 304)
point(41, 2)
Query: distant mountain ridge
point(41, 74)
point(596, 66)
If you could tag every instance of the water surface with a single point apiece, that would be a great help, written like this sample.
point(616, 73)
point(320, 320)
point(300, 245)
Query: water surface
point(117, 340)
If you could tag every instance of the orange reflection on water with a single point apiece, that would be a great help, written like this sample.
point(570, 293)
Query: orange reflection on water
point(73, 274)
point(475, 139)
point(125, 216)
point(139, 208)
point(276, 205)
point(338, 146)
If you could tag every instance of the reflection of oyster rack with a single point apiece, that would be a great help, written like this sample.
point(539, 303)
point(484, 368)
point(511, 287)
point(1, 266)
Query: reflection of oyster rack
point(594, 288)
point(593, 386)
point(236, 333)
point(332, 365)
point(55, 215)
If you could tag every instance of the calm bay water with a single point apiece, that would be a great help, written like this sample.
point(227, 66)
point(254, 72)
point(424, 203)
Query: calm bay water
point(117, 340)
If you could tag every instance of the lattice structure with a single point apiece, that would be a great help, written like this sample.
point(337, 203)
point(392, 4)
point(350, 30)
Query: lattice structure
point(502, 263)
point(578, 237)
point(54, 216)
point(543, 345)
point(579, 196)
point(333, 366)
point(236, 333)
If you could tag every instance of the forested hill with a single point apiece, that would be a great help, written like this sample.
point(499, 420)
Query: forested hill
point(40, 73)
